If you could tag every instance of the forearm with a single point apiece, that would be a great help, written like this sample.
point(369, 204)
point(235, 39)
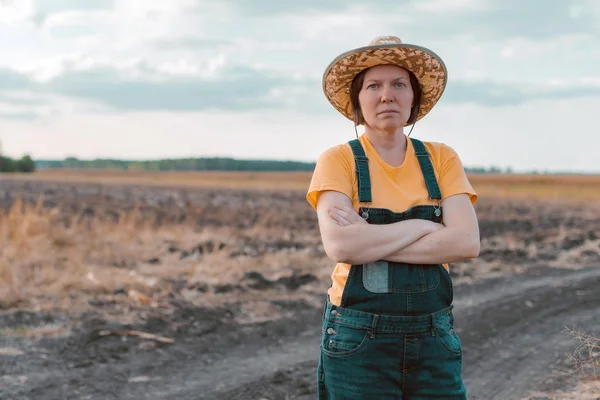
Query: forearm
point(364, 243)
point(443, 246)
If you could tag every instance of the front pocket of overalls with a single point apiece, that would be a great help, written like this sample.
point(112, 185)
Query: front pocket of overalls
point(447, 336)
point(342, 340)
point(390, 277)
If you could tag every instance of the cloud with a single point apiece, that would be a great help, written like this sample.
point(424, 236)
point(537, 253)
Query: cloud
point(497, 94)
point(15, 12)
point(91, 19)
point(505, 19)
point(52, 6)
point(490, 19)
point(274, 8)
point(21, 99)
point(10, 80)
point(19, 116)
point(185, 87)
point(44, 9)
point(189, 43)
point(14, 108)
point(452, 6)
point(534, 19)
point(235, 88)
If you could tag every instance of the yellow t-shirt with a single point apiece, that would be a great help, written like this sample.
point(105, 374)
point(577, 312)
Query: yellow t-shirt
point(395, 188)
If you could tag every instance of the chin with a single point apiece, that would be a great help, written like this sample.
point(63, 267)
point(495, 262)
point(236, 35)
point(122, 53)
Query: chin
point(391, 126)
point(388, 120)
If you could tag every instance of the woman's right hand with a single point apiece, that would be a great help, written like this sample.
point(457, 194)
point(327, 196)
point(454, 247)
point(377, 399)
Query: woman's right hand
point(345, 216)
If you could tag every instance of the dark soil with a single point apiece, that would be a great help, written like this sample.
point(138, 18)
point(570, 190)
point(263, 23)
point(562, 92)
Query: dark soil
point(511, 317)
point(512, 331)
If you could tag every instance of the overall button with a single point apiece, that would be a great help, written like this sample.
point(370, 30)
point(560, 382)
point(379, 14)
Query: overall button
point(330, 331)
point(334, 313)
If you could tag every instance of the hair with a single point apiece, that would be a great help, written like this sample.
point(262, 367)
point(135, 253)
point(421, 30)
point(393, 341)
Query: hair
point(357, 84)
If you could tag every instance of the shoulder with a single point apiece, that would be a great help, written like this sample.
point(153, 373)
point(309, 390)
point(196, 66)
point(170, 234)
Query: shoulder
point(442, 156)
point(439, 149)
point(340, 152)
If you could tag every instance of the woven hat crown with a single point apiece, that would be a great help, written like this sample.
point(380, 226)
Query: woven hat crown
point(385, 40)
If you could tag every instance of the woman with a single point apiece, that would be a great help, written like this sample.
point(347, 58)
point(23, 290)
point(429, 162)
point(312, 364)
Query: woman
point(393, 212)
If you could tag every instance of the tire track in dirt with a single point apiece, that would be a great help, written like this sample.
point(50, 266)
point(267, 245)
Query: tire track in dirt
point(512, 331)
point(514, 344)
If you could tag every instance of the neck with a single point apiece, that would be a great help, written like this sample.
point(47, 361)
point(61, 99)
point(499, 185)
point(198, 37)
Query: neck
point(386, 140)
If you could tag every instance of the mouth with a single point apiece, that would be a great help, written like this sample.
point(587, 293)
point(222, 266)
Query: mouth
point(389, 112)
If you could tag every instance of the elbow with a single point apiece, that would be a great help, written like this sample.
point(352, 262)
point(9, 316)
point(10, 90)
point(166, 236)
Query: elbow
point(467, 244)
point(472, 249)
point(338, 253)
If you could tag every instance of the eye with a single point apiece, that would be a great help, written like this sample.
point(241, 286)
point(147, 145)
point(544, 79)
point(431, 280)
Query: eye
point(400, 84)
point(372, 86)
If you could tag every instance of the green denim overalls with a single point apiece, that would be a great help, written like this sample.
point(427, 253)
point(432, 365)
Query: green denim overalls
point(393, 335)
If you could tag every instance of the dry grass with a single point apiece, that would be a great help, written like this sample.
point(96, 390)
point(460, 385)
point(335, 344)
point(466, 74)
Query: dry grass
point(556, 187)
point(586, 361)
point(42, 256)
point(572, 187)
point(217, 179)
point(586, 356)
point(49, 263)
point(587, 389)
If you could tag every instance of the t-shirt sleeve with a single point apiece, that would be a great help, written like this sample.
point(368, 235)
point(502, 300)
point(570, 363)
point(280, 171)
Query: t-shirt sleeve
point(332, 172)
point(453, 178)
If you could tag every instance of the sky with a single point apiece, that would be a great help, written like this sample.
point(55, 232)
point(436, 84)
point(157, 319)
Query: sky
point(139, 79)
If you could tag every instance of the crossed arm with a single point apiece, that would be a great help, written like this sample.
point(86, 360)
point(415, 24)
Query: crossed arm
point(350, 239)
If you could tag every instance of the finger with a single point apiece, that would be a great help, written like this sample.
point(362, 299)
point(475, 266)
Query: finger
point(344, 208)
point(353, 214)
point(351, 218)
point(344, 220)
point(349, 212)
point(336, 216)
point(341, 219)
point(337, 209)
point(341, 213)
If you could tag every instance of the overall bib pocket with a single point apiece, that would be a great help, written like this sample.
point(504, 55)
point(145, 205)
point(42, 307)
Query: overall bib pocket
point(390, 277)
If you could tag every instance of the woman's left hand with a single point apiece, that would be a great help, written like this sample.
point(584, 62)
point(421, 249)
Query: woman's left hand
point(345, 216)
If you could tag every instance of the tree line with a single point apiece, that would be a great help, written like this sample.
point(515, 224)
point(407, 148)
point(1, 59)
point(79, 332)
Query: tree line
point(27, 164)
point(183, 164)
point(24, 164)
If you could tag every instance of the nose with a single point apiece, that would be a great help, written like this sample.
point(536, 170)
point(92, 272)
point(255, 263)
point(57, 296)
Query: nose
point(386, 96)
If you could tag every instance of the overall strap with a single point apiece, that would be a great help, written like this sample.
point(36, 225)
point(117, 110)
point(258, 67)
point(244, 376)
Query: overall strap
point(362, 171)
point(427, 170)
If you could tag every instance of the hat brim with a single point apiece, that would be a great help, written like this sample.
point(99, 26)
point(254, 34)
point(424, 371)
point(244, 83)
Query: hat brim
point(428, 68)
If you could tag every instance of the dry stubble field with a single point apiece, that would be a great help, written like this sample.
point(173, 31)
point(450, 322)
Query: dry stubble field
point(156, 258)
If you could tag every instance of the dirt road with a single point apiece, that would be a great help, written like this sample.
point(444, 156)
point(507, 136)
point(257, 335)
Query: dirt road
point(512, 333)
point(512, 330)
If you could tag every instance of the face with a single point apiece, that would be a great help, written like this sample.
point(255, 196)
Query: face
point(386, 97)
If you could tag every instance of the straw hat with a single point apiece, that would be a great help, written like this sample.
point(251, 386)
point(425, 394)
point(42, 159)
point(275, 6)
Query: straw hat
point(428, 68)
